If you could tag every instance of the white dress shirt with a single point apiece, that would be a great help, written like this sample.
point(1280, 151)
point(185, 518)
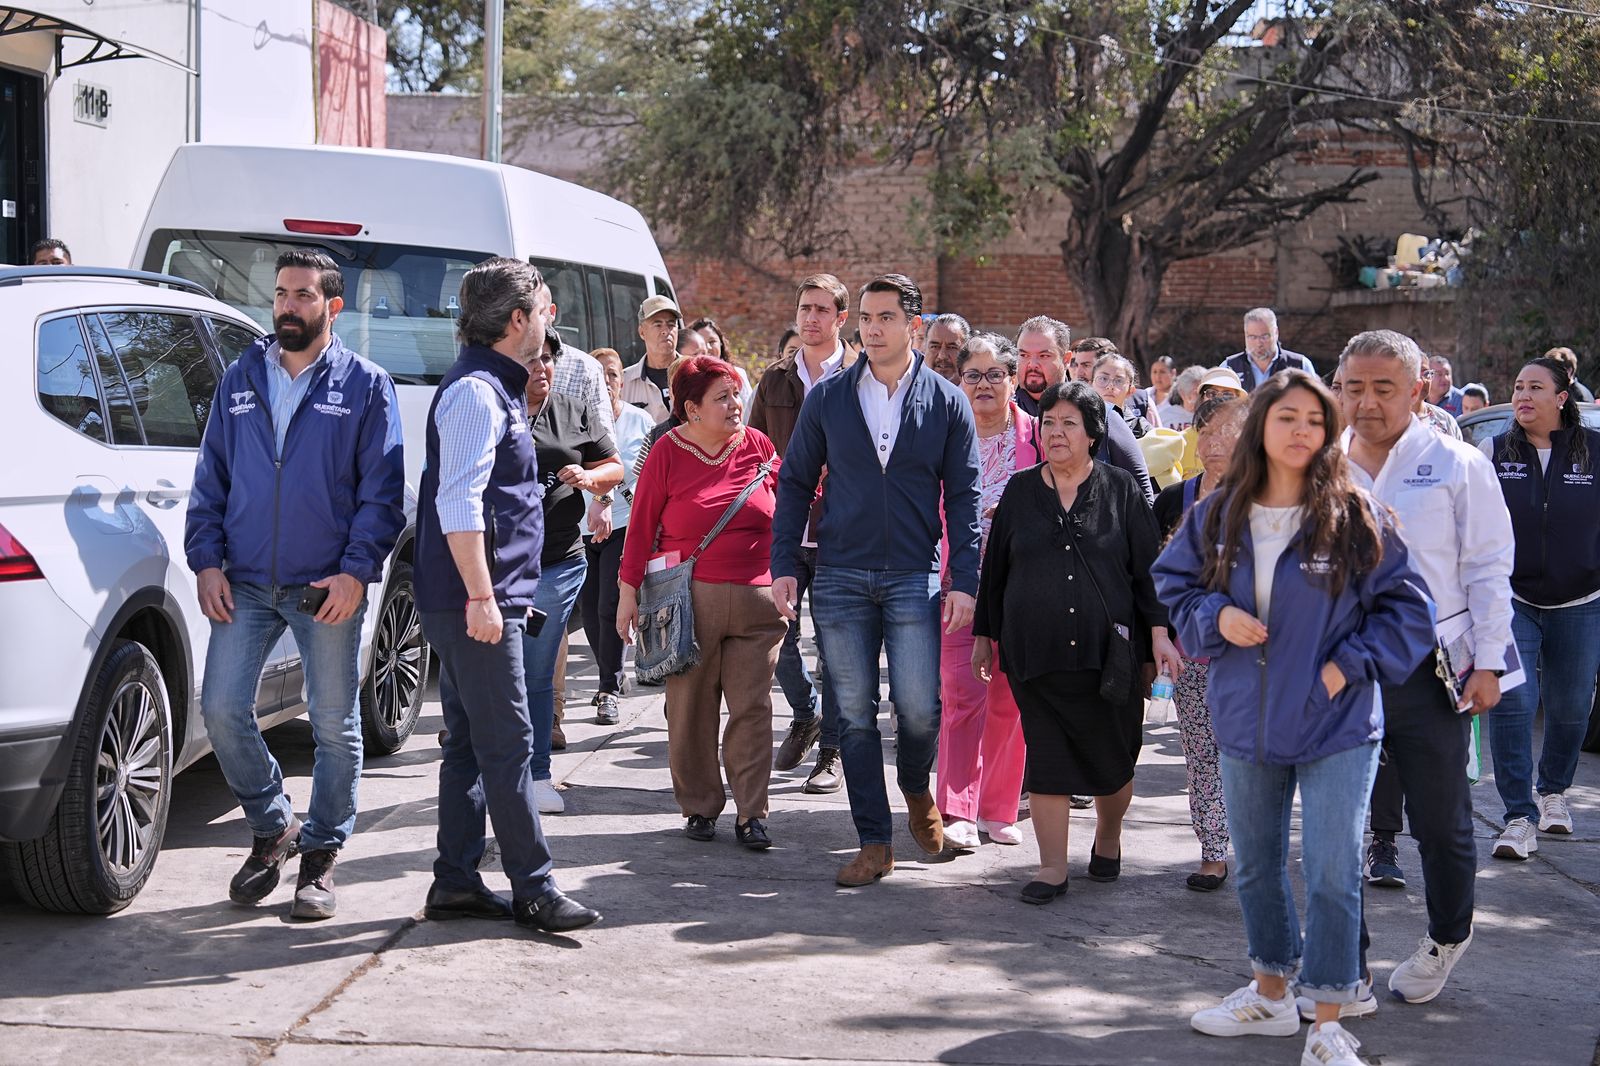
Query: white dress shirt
point(829, 365)
point(881, 408)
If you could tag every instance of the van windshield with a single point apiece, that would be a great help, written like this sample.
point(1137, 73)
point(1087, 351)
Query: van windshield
point(400, 302)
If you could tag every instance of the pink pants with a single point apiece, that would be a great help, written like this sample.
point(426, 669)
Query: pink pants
point(981, 752)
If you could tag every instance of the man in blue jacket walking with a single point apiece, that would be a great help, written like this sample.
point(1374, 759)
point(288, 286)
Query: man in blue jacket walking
point(895, 438)
point(297, 502)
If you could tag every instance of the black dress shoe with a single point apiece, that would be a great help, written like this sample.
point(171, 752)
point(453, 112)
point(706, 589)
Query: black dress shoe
point(752, 834)
point(1102, 868)
point(554, 914)
point(700, 827)
point(1041, 892)
point(445, 904)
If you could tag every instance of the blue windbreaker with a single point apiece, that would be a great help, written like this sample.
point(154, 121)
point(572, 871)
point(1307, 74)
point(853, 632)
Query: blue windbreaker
point(334, 503)
point(1268, 703)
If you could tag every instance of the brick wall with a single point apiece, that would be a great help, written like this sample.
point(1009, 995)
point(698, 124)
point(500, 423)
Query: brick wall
point(1020, 275)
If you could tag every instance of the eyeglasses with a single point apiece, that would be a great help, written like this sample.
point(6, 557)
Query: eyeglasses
point(994, 375)
point(1111, 381)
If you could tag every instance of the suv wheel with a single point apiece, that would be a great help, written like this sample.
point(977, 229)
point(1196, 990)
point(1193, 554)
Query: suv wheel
point(103, 839)
point(391, 696)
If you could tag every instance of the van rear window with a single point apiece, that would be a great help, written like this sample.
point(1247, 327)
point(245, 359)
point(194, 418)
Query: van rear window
point(400, 302)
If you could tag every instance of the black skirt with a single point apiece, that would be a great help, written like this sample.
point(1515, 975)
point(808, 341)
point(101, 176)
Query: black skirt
point(1078, 744)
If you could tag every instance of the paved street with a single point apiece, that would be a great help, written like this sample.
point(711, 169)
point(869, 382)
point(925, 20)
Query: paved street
point(711, 954)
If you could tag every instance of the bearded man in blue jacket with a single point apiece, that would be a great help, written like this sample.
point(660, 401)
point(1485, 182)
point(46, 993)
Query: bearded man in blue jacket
point(297, 502)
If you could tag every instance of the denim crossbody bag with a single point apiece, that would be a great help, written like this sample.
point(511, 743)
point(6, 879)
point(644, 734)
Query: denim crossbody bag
point(666, 644)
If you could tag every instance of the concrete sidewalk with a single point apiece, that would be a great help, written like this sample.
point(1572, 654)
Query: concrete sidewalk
point(710, 953)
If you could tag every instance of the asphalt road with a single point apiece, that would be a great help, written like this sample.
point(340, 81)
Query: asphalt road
point(712, 954)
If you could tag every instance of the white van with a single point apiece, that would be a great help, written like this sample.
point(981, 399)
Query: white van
point(404, 227)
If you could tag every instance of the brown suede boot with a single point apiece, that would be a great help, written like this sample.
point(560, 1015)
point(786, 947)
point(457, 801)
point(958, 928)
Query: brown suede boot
point(871, 862)
point(927, 827)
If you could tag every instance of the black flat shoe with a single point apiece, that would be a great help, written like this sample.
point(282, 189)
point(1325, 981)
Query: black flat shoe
point(1042, 892)
point(1206, 882)
point(445, 904)
point(554, 914)
point(1103, 869)
point(752, 834)
point(700, 827)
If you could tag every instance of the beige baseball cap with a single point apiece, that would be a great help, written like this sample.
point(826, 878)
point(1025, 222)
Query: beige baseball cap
point(657, 304)
point(1222, 378)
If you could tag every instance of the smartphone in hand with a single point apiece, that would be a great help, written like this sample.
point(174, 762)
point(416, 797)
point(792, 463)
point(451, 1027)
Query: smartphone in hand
point(312, 599)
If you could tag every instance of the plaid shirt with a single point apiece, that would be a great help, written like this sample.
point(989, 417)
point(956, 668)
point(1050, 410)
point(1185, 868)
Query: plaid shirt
point(579, 375)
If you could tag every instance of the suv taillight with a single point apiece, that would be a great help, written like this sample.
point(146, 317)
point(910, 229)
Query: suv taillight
point(15, 562)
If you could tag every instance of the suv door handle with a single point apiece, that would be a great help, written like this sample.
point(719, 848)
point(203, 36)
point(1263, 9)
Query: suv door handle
point(165, 495)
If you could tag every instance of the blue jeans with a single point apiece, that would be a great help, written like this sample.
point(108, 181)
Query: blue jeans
point(805, 695)
point(1561, 643)
point(328, 654)
point(558, 590)
point(484, 766)
point(860, 613)
point(1334, 791)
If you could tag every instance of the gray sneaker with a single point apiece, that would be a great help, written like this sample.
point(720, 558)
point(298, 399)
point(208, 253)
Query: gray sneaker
point(606, 711)
point(827, 775)
point(313, 894)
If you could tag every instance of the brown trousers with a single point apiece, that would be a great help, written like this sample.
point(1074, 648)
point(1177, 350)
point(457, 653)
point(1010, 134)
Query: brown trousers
point(739, 632)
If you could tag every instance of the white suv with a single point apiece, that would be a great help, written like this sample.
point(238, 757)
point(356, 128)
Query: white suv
point(105, 387)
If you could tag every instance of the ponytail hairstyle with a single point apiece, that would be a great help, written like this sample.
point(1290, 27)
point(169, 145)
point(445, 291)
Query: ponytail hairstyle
point(1340, 523)
point(1571, 417)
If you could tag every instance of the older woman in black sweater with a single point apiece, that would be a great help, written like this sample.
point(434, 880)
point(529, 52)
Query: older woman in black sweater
point(1066, 578)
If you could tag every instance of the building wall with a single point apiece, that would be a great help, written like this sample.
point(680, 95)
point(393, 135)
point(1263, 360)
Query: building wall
point(254, 85)
point(351, 102)
point(1000, 284)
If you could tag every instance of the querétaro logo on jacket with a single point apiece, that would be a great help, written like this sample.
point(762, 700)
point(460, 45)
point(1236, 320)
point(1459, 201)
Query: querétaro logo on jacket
point(1513, 471)
point(243, 402)
point(332, 404)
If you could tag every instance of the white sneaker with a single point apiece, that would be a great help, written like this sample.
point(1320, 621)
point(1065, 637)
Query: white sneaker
point(1000, 832)
point(1246, 1012)
point(1330, 1044)
point(549, 800)
point(961, 834)
point(1421, 977)
point(1517, 841)
point(1553, 814)
point(1364, 1005)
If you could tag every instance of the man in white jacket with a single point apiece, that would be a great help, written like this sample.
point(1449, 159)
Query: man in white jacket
point(1455, 524)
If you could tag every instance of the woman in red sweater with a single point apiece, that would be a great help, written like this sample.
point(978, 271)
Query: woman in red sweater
point(691, 476)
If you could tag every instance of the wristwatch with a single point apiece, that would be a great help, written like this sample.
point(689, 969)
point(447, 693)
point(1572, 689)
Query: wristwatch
point(604, 500)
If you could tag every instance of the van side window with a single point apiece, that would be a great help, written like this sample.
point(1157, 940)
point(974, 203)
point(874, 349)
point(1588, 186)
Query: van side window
point(168, 371)
point(627, 292)
point(594, 280)
point(571, 297)
point(663, 289)
point(67, 385)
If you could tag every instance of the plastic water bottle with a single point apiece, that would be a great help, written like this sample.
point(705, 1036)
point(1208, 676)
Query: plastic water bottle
point(1158, 711)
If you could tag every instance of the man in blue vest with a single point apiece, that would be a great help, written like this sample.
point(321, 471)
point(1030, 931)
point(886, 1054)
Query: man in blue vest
point(1263, 356)
point(480, 529)
point(297, 502)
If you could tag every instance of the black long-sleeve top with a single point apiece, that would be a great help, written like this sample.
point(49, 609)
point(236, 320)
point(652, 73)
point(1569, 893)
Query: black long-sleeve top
point(1036, 597)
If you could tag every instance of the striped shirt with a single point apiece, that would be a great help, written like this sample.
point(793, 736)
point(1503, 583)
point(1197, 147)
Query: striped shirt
point(284, 393)
point(470, 424)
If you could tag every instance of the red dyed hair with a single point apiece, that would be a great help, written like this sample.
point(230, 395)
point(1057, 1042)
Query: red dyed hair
point(695, 378)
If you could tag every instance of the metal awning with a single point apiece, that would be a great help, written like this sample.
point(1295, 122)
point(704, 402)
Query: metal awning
point(88, 45)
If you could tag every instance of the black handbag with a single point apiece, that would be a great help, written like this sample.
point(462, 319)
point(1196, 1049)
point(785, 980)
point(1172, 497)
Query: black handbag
point(666, 645)
point(1117, 669)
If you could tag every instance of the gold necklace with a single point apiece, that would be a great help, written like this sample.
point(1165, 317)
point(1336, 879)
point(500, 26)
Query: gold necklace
point(699, 453)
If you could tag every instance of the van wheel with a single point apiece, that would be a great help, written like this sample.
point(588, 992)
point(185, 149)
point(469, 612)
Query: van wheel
point(105, 834)
point(391, 696)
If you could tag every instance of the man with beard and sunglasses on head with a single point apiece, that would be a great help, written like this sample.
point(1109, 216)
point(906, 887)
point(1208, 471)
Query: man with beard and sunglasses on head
point(297, 502)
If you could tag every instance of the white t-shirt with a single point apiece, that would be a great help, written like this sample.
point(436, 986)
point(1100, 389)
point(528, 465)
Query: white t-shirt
point(1174, 416)
point(1271, 530)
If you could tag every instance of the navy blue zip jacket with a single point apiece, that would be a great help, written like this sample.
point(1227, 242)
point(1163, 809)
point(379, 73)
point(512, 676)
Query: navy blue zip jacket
point(1555, 518)
point(333, 505)
point(882, 518)
point(1268, 703)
